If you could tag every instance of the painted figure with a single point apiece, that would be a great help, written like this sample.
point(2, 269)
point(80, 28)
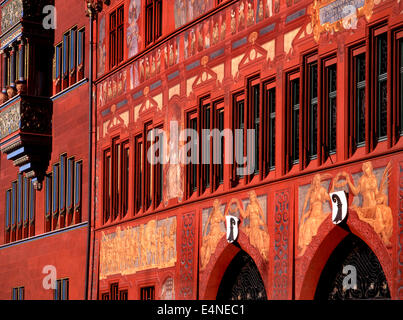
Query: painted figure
point(211, 239)
point(312, 219)
point(374, 209)
point(241, 16)
point(269, 8)
point(132, 32)
point(101, 47)
point(257, 230)
point(251, 15)
point(233, 21)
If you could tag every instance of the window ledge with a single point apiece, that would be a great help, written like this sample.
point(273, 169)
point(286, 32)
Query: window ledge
point(68, 89)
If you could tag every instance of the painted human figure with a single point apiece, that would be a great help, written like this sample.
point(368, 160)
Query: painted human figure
point(133, 29)
point(233, 21)
point(211, 239)
point(257, 230)
point(374, 209)
point(269, 8)
point(251, 15)
point(312, 219)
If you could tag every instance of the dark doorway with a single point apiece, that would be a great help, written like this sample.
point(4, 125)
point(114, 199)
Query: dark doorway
point(356, 257)
point(242, 280)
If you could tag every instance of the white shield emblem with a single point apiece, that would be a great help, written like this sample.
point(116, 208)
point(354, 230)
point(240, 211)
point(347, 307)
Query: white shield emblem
point(339, 206)
point(232, 228)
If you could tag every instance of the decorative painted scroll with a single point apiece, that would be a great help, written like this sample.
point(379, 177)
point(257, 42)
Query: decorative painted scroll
point(133, 249)
point(281, 245)
point(186, 284)
point(337, 15)
point(253, 224)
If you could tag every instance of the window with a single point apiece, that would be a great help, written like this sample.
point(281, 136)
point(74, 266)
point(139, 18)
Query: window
point(124, 205)
point(70, 190)
point(62, 189)
point(219, 125)
point(158, 167)
point(19, 210)
point(381, 85)
point(116, 27)
point(239, 129)
point(147, 293)
point(114, 289)
point(55, 196)
point(80, 54)
point(114, 293)
point(359, 84)
point(312, 106)
point(292, 117)
point(18, 293)
point(153, 27)
point(138, 173)
point(269, 127)
point(62, 289)
point(73, 55)
point(48, 202)
point(116, 171)
point(68, 64)
point(254, 119)
point(192, 154)
point(330, 108)
point(65, 65)
point(148, 172)
point(205, 143)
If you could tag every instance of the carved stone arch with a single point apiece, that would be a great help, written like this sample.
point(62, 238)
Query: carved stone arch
point(310, 266)
point(211, 277)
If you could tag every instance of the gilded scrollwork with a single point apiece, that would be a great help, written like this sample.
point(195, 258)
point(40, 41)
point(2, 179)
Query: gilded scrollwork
point(134, 249)
point(336, 15)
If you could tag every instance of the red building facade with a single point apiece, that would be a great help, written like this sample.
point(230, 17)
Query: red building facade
point(320, 85)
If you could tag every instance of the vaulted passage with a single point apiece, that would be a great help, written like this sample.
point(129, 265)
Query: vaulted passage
point(242, 280)
point(354, 256)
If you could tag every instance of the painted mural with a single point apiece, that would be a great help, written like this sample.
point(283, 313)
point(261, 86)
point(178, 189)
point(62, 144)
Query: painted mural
point(210, 33)
point(168, 290)
point(188, 10)
point(253, 224)
point(133, 249)
point(370, 191)
point(371, 198)
point(113, 87)
point(101, 46)
point(132, 33)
